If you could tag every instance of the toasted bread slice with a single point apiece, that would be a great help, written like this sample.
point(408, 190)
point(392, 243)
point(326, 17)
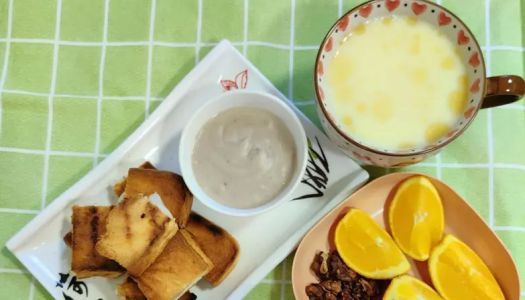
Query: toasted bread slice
point(129, 290)
point(88, 226)
point(217, 244)
point(120, 186)
point(136, 233)
point(180, 266)
point(170, 187)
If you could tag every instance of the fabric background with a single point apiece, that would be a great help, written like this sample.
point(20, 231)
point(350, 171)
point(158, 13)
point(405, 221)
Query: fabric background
point(77, 77)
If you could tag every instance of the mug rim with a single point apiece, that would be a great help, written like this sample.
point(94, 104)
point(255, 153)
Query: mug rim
point(411, 152)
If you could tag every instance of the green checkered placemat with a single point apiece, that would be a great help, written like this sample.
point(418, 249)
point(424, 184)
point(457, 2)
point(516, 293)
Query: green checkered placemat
point(77, 77)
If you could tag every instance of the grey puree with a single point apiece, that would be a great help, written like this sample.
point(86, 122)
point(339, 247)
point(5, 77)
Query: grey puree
point(244, 157)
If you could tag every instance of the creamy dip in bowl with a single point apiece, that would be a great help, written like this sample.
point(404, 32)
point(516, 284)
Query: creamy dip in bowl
point(243, 153)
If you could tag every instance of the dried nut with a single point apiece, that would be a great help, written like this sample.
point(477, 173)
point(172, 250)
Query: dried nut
point(333, 286)
point(314, 291)
point(324, 263)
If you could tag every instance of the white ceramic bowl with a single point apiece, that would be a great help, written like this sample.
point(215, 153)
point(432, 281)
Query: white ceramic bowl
point(227, 101)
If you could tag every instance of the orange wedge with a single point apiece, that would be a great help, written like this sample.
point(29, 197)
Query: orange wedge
point(367, 248)
point(416, 217)
point(457, 272)
point(409, 288)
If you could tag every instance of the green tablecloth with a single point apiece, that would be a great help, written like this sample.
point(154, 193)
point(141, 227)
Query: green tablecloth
point(77, 77)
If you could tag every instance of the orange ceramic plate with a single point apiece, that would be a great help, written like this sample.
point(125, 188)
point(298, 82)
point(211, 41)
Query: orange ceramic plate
point(460, 220)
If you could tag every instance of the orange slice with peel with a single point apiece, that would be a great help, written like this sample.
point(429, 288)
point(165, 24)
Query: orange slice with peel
point(457, 272)
point(367, 248)
point(409, 288)
point(416, 217)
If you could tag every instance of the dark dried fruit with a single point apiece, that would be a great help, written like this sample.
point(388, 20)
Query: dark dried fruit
point(338, 281)
point(346, 295)
point(320, 265)
point(314, 291)
point(330, 296)
point(333, 286)
point(370, 287)
point(339, 269)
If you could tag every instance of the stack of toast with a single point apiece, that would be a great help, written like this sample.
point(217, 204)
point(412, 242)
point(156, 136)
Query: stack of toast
point(163, 252)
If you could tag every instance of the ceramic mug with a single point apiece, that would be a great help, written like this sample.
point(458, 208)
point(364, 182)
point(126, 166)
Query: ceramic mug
point(483, 92)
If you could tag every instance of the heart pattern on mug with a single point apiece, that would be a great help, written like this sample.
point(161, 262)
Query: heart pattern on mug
point(328, 46)
point(343, 23)
point(321, 93)
point(443, 19)
point(320, 69)
point(469, 112)
point(474, 60)
point(365, 10)
point(462, 38)
point(391, 5)
point(361, 157)
point(418, 8)
point(474, 88)
point(451, 133)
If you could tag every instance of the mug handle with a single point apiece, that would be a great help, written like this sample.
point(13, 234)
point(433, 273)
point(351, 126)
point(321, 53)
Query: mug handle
point(503, 90)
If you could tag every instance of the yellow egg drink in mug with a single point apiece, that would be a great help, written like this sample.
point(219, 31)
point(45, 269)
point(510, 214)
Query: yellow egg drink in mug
point(396, 83)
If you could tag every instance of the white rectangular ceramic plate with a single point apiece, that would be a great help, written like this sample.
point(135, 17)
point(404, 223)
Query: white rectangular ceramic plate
point(265, 240)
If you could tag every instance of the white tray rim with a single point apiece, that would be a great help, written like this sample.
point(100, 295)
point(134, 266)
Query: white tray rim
point(68, 196)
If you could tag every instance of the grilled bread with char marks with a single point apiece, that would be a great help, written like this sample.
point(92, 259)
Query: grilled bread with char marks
point(180, 266)
point(217, 244)
point(170, 187)
point(120, 186)
point(88, 226)
point(136, 233)
point(118, 189)
point(146, 179)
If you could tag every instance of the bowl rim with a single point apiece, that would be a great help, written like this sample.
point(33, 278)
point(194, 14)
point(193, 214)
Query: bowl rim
point(300, 142)
point(412, 152)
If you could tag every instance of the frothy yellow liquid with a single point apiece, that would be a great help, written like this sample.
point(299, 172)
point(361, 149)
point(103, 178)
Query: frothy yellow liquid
point(396, 83)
